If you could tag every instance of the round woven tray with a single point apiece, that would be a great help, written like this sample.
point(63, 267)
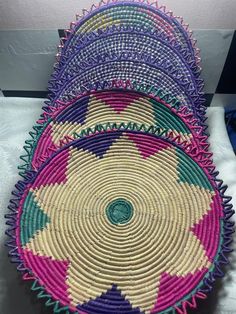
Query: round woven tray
point(114, 106)
point(152, 52)
point(120, 221)
point(123, 69)
point(119, 209)
point(138, 14)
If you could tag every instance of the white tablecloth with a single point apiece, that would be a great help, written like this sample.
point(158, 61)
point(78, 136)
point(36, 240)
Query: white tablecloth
point(18, 115)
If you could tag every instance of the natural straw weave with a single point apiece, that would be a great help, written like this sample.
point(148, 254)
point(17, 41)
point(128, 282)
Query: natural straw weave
point(153, 52)
point(113, 106)
point(120, 209)
point(160, 245)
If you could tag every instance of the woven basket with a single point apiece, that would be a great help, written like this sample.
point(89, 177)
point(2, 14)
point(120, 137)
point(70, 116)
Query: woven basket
point(119, 209)
point(113, 106)
point(134, 70)
point(121, 221)
point(138, 14)
point(160, 62)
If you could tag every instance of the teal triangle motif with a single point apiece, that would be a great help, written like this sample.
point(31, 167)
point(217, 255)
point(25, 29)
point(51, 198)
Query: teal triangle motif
point(165, 119)
point(33, 219)
point(190, 172)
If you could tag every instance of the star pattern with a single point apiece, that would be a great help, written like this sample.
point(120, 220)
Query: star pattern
point(101, 110)
point(157, 240)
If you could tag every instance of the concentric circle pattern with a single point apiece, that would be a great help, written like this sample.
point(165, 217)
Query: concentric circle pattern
point(121, 221)
point(114, 106)
point(120, 209)
point(123, 68)
point(155, 53)
point(134, 13)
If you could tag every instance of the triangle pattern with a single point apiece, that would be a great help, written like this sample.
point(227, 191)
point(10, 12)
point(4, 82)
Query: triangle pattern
point(52, 275)
point(148, 145)
point(173, 288)
point(75, 113)
point(42, 149)
point(208, 227)
point(32, 220)
point(118, 101)
point(98, 144)
point(110, 302)
point(55, 170)
point(166, 119)
point(190, 172)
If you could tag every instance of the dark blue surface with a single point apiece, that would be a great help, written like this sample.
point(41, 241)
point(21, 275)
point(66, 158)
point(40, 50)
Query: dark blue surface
point(75, 113)
point(98, 144)
point(111, 302)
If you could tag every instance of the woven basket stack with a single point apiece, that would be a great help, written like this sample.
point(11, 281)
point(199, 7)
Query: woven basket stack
point(119, 209)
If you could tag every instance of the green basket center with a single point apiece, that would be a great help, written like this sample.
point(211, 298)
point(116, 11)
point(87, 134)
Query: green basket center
point(119, 211)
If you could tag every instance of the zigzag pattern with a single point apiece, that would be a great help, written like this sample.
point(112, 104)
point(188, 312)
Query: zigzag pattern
point(72, 84)
point(84, 40)
point(154, 151)
point(162, 9)
point(52, 112)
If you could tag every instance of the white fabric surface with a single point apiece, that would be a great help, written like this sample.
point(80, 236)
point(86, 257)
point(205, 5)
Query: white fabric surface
point(224, 299)
point(18, 115)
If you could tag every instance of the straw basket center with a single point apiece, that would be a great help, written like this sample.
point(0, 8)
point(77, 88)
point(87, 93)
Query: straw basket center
point(119, 211)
